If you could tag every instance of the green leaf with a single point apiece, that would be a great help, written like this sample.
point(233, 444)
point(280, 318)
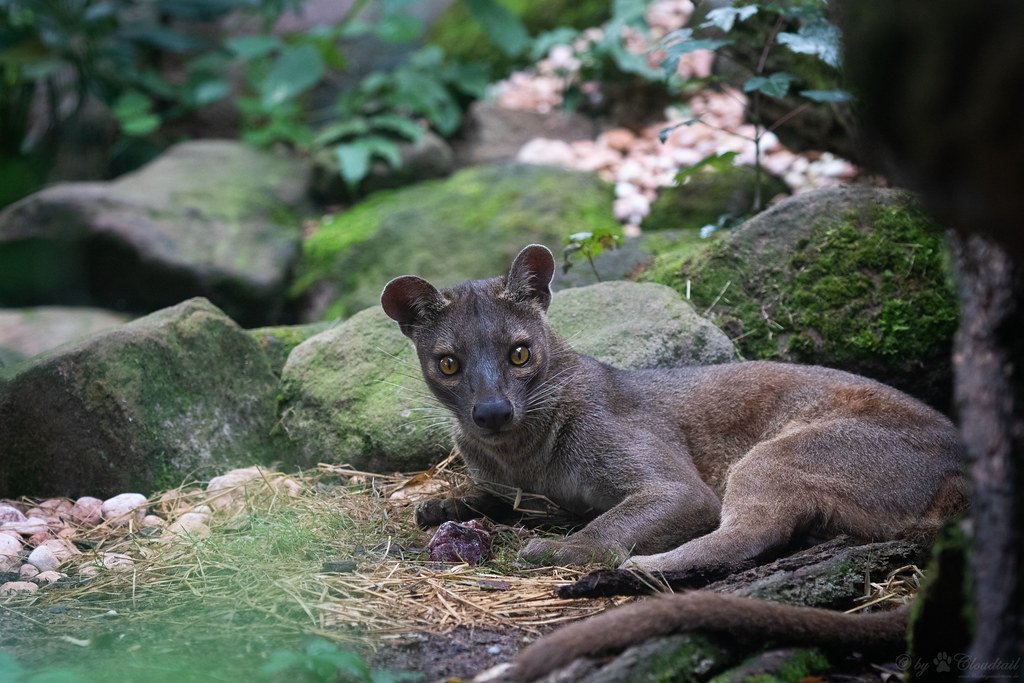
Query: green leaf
point(819, 38)
point(398, 28)
point(715, 162)
point(134, 112)
point(353, 162)
point(341, 129)
point(827, 95)
point(776, 85)
point(210, 91)
point(399, 125)
point(681, 42)
point(354, 157)
point(251, 47)
point(297, 69)
point(502, 26)
point(725, 18)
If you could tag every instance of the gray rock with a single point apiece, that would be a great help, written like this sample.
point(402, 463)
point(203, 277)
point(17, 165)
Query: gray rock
point(633, 325)
point(354, 394)
point(494, 134)
point(211, 218)
point(179, 393)
point(30, 331)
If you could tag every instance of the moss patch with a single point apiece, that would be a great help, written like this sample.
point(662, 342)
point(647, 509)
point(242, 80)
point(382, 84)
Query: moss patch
point(710, 196)
point(468, 226)
point(867, 288)
point(277, 342)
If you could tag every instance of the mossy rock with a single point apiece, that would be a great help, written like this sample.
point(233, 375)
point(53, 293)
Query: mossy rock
point(682, 658)
point(708, 197)
point(277, 342)
point(790, 665)
point(211, 218)
point(856, 278)
point(181, 393)
point(470, 225)
point(461, 36)
point(354, 394)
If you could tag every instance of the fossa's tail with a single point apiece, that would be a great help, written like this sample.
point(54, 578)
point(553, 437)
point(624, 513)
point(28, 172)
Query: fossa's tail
point(739, 617)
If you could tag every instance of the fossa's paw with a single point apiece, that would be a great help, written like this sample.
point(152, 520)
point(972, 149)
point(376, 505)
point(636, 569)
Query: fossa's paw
point(435, 511)
point(661, 562)
point(567, 552)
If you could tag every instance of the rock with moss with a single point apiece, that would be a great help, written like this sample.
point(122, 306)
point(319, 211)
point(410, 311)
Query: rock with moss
point(790, 665)
point(277, 342)
point(181, 393)
point(212, 218)
point(714, 197)
point(856, 278)
point(354, 394)
point(470, 225)
point(461, 36)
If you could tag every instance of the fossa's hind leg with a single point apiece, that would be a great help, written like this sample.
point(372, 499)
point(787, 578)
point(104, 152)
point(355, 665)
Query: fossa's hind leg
point(842, 476)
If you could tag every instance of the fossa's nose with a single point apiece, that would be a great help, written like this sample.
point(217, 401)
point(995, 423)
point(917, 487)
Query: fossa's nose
point(492, 414)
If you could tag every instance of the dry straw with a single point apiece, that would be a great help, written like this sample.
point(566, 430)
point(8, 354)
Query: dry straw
point(332, 552)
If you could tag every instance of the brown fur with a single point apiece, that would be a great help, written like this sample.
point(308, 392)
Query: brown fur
point(686, 468)
point(738, 617)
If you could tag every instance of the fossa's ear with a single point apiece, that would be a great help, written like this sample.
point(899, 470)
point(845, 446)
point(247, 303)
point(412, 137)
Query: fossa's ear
point(409, 300)
point(529, 279)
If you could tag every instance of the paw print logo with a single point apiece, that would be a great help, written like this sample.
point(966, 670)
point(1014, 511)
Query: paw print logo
point(942, 663)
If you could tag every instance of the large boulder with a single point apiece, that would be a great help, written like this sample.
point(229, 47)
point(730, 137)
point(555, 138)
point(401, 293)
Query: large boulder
point(354, 394)
point(856, 278)
point(470, 225)
point(208, 218)
point(182, 392)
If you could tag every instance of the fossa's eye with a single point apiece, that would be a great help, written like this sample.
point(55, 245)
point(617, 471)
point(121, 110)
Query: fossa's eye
point(448, 365)
point(519, 354)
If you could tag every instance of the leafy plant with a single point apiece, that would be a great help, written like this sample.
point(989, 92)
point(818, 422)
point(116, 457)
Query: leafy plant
point(722, 31)
point(590, 245)
point(385, 107)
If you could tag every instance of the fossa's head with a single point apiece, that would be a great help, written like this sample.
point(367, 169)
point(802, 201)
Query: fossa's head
point(484, 345)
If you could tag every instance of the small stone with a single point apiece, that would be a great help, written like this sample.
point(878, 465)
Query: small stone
point(124, 509)
point(13, 587)
point(152, 521)
point(26, 527)
point(88, 571)
point(28, 571)
point(68, 533)
point(44, 559)
point(202, 510)
point(9, 513)
point(49, 577)
point(10, 552)
point(620, 139)
point(190, 524)
point(118, 562)
point(87, 511)
point(220, 489)
point(39, 538)
point(62, 549)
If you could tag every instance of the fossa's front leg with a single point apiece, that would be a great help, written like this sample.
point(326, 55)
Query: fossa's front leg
point(653, 519)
